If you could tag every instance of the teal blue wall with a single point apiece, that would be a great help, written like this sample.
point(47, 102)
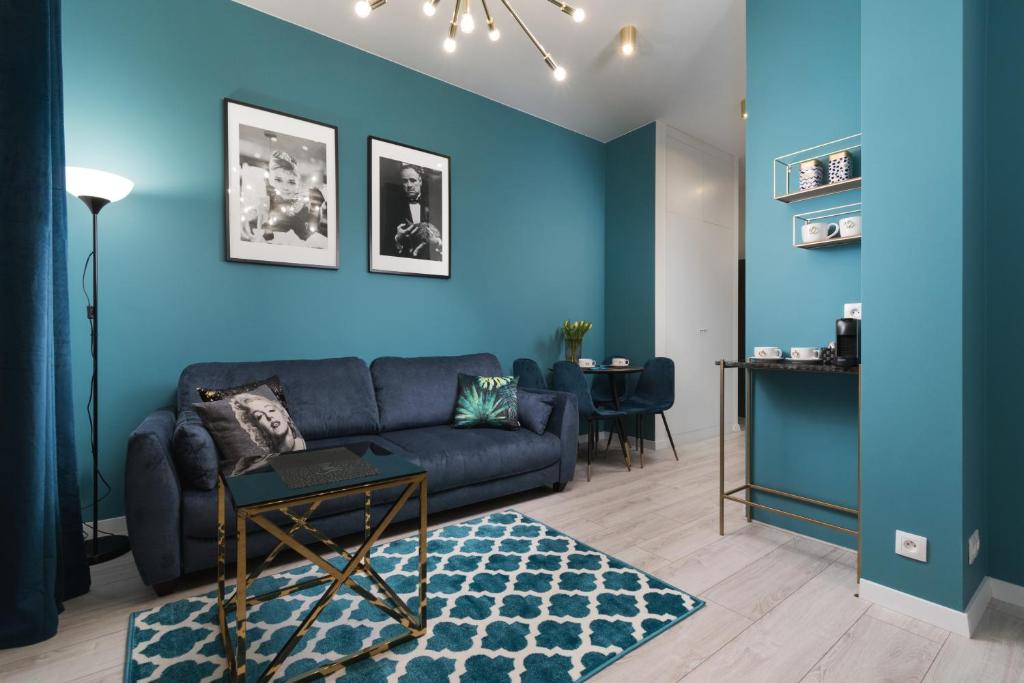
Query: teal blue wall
point(1005, 244)
point(144, 84)
point(803, 89)
point(629, 247)
point(914, 386)
point(976, 329)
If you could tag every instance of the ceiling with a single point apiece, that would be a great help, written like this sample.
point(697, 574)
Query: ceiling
point(688, 70)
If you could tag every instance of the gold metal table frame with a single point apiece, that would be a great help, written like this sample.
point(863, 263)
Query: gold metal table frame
point(749, 486)
point(359, 561)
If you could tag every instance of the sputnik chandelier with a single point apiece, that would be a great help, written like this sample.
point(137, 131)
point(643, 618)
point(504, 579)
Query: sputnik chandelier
point(462, 19)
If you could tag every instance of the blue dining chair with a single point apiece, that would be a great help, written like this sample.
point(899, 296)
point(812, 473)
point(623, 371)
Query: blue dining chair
point(654, 394)
point(569, 378)
point(601, 387)
point(529, 374)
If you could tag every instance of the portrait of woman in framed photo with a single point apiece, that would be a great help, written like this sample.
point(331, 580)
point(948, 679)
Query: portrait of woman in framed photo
point(281, 176)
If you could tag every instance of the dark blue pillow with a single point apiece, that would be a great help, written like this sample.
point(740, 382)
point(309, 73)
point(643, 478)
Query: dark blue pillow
point(535, 411)
point(195, 454)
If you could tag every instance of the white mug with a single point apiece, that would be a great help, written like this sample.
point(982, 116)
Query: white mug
point(814, 232)
point(849, 226)
point(805, 353)
point(767, 352)
point(586, 362)
point(618, 362)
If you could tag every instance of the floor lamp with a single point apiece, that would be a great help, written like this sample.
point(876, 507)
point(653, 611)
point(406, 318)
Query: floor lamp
point(97, 189)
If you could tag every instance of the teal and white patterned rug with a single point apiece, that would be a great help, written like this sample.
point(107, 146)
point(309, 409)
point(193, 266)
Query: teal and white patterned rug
point(509, 599)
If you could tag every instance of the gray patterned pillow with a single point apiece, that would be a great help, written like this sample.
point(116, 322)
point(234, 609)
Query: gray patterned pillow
point(250, 428)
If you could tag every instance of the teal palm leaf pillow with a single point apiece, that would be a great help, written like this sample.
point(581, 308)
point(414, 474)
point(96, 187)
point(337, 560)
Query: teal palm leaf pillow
point(487, 402)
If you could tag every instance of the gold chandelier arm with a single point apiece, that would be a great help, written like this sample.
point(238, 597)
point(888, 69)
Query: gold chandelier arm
point(564, 6)
point(454, 28)
point(529, 34)
point(487, 15)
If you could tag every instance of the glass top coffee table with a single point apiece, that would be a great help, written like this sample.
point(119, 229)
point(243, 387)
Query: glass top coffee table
point(256, 494)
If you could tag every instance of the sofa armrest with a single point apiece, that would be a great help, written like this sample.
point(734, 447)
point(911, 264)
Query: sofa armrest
point(565, 424)
point(152, 494)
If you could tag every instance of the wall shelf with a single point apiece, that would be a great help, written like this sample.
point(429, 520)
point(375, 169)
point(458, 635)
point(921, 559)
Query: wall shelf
point(786, 170)
point(820, 191)
point(833, 214)
point(829, 243)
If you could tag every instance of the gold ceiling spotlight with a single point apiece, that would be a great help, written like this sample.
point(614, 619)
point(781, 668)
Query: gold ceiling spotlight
point(463, 20)
point(627, 40)
point(743, 109)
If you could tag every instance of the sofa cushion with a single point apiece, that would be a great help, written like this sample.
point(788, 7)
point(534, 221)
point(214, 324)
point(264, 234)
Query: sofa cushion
point(487, 402)
point(330, 397)
point(421, 392)
point(535, 410)
point(250, 428)
point(195, 454)
point(460, 457)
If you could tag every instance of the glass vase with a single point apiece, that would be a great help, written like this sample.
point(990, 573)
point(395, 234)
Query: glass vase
point(572, 350)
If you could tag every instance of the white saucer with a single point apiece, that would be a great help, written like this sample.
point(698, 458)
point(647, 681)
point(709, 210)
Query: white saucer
point(803, 360)
point(755, 359)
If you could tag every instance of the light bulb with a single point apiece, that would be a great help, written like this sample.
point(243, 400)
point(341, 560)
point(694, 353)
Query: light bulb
point(467, 24)
point(429, 9)
point(450, 45)
point(560, 74)
point(578, 15)
point(627, 49)
point(494, 34)
point(363, 9)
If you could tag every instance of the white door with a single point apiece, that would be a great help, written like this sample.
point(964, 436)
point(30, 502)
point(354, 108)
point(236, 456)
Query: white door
point(698, 283)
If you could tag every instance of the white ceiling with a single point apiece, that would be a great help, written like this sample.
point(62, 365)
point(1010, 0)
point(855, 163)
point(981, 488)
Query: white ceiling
point(689, 70)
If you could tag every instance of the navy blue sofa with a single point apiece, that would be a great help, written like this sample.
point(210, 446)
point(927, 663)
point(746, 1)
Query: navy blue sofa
point(404, 404)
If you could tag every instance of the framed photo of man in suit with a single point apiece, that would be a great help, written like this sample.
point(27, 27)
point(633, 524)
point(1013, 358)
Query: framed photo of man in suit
point(410, 210)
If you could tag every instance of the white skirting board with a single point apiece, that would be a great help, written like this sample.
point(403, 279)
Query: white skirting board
point(962, 623)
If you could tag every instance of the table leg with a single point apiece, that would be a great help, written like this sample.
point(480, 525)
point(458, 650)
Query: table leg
point(423, 557)
point(721, 447)
point(747, 432)
point(241, 591)
point(221, 571)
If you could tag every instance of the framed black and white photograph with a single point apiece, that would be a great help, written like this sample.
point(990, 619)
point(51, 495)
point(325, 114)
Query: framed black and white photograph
point(410, 210)
point(281, 177)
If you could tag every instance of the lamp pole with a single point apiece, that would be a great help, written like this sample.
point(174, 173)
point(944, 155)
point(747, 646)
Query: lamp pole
point(96, 189)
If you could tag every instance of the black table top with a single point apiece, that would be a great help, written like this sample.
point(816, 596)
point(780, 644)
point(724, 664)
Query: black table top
point(790, 366)
point(611, 369)
point(259, 488)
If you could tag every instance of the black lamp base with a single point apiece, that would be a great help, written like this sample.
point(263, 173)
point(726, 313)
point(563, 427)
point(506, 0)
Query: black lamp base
point(105, 548)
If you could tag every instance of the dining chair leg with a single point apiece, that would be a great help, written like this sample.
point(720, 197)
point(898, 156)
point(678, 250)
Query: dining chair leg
point(640, 439)
point(609, 443)
point(590, 445)
point(625, 445)
point(669, 432)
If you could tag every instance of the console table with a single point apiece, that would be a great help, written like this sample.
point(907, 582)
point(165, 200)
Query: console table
point(751, 368)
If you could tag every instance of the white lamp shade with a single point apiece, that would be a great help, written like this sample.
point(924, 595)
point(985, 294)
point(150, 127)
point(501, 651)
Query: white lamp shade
point(88, 182)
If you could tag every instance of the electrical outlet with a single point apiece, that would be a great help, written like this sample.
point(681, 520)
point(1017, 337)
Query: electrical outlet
point(973, 546)
point(851, 311)
point(912, 546)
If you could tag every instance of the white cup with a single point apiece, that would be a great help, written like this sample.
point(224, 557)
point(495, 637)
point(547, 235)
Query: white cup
point(618, 362)
point(586, 362)
point(767, 352)
point(814, 232)
point(849, 226)
point(805, 353)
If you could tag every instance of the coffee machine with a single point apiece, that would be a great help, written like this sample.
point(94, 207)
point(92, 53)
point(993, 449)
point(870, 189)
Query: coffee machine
point(847, 342)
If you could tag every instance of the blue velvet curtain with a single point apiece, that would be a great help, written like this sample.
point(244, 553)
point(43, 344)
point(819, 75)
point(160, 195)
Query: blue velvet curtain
point(43, 552)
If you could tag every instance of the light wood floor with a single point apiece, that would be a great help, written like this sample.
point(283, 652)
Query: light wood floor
point(780, 607)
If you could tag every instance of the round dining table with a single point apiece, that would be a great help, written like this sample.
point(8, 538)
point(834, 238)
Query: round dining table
point(611, 371)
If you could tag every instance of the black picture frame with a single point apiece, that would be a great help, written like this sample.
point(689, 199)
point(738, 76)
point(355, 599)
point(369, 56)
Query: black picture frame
point(380, 263)
point(234, 250)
